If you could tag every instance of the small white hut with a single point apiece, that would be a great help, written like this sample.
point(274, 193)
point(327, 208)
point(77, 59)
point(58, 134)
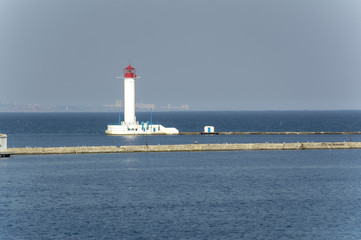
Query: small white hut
point(3, 143)
point(208, 129)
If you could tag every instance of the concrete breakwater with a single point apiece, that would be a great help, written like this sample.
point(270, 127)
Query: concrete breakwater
point(187, 148)
point(265, 133)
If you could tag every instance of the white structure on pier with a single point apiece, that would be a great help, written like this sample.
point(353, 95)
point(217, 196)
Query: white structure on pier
point(130, 126)
point(4, 146)
point(3, 143)
point(208, 129)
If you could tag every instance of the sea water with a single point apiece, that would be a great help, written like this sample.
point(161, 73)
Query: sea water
point(300, 194)
point(88, 129)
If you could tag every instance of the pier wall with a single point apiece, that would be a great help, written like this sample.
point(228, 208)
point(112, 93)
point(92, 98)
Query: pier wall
point(187, 148)
point(265, 133)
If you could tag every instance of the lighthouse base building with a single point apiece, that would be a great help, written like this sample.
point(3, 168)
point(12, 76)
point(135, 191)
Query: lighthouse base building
point(138, 129)
point(130, 126)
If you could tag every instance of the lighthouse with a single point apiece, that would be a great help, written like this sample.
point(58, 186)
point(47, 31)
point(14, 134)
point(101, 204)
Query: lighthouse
point(129, 95)
point(130, 126)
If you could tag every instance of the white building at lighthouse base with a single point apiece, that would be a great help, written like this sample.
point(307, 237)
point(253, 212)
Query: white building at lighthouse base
point(139, 129)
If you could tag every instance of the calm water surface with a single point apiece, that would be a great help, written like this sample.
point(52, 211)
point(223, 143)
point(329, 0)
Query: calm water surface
point(312, 194)
point(88, 129)
point(203, 195)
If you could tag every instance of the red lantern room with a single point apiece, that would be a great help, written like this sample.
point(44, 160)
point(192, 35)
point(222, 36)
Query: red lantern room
point(129, 72)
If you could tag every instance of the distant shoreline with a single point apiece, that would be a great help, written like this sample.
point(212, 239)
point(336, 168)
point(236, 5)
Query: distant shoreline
point(33, 108)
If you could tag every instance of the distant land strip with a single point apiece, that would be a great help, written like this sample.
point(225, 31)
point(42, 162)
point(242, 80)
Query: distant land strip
point(186, 148)
point(264, 133)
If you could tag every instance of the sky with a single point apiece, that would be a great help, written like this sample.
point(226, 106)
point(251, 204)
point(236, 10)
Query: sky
point(209, 55)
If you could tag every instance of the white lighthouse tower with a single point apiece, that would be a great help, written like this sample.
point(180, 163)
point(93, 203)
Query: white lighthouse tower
point(130, 126)
point(129, 95)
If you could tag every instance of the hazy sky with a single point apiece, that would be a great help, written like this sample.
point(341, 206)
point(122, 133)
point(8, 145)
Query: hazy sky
point(229, 54)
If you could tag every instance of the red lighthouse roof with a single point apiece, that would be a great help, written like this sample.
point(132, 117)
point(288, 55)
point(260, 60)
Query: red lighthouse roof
point(129, 72)
point(129, 67)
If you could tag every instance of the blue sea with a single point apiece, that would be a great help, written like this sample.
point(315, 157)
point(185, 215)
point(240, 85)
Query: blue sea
point(299, 194)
